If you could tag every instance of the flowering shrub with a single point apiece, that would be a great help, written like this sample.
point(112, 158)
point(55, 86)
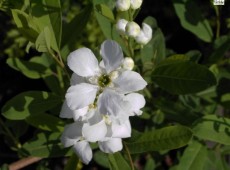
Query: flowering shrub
point(115, 96)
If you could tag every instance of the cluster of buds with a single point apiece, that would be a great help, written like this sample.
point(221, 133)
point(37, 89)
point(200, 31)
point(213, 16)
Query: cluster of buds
point(130, 28)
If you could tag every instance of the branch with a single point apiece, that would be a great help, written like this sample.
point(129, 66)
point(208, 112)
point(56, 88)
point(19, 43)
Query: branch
point(23, 163)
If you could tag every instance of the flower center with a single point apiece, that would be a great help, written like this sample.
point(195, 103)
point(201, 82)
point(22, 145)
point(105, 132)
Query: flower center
point(104, 80)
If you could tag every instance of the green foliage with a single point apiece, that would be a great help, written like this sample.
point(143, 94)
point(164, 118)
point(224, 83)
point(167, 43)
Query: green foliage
point(187, 97)
point(180, 76)
point(191, 19)
point(167, 138)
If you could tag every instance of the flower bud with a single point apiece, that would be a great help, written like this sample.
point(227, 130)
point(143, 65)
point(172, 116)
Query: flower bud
point(123, 5)
point(120, 26)
point(128, 63)
point(145, 34)
point(135, 4)
point(132, 29)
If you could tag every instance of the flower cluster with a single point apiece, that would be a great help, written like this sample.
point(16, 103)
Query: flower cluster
point(101, 99)
point(130, 28)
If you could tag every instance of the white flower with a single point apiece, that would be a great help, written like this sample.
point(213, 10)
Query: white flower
point(132, 29)
point(135, 4)
point(89, 79)
point(137, 101)
point(128, 63)
point(145, 34)
point(120, 26)
point(122, 5)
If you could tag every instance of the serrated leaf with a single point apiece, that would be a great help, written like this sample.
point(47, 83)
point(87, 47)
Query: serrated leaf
point(167, 138)
point(182, 77)
point(28, 103)
point(117, 162)
point(213, 128)
point(192, 20)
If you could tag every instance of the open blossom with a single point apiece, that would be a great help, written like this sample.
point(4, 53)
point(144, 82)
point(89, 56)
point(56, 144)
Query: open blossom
point(101, 100)
point(94, 78)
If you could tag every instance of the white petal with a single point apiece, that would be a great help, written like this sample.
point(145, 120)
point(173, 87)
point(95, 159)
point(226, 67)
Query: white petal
point(122, 5)
point(112, 55)
point(83, 150)
point(132, 29)
point(76, 79)
point(129, 81)
point(71, 134)
point(120, 26)
point(83, 62)
point(94, 132)
point(66, 112)
point(110, 146)
point(80, 113)
point(112, 104)
point(121, 130)
point(145, 35)
point(137, 102)
point(135, 4)
point(80, 95)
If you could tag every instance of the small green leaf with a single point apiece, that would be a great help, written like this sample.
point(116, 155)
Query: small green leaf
point(154, 51)
point(182, 77)
point(43, 41)
point(105, 11)
point(167, 138)
point(191, 19)
point(28, 103)
point(30, 69)
point(72, 163)
point(213, 128)
point(46, 146)
point(193, 157)
point(101, 158)
point(73, 29)
point(117, 162)
point(46, 122)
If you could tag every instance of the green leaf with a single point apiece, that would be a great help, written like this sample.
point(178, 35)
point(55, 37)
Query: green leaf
point(213, 128)
point(46, 122)
point(154, 51)
point(72, 163)
point(192, 20)
point(167, 138)
point(182, 77)
point(43, 41)
point(25, 24)
point(105, 11)
point(193, 157)
point(46, 146)
point(117, 162)
point(27, 103)
point(30, 69)
point(73, 29)
point(101, 158)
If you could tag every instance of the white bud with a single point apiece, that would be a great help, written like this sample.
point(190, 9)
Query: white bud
point(120, 26)
point(123, 5)
point(135, 4)
point(128, 63)
point(132, 29)
point(145, 34)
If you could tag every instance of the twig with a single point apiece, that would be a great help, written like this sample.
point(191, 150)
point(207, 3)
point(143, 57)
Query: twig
point(23, 163)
